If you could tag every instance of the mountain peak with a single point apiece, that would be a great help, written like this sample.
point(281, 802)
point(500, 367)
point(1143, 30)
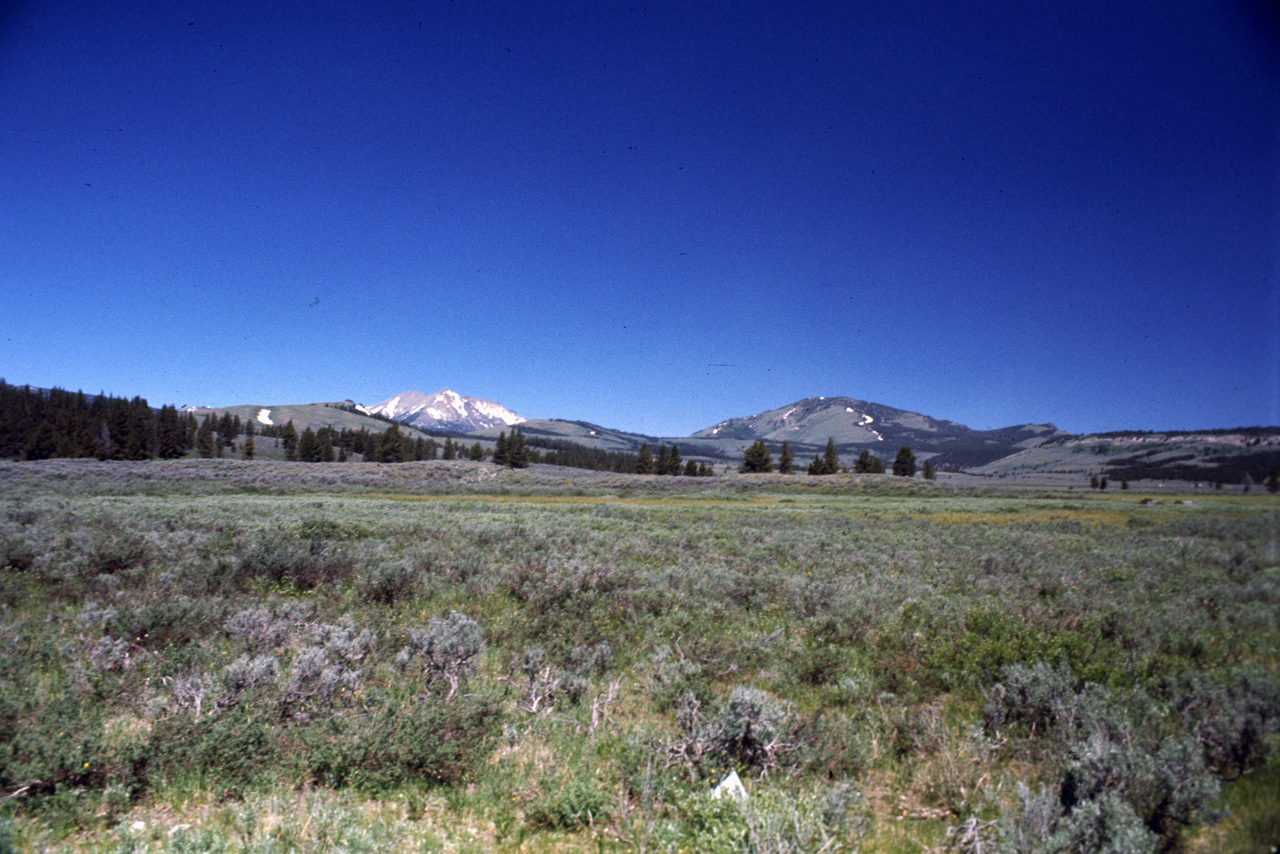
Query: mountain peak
point(445, 410)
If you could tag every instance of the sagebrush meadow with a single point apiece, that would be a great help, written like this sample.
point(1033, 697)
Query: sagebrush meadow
point(207, 656)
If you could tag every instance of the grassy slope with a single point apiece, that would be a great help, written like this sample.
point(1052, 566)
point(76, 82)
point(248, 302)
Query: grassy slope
point(1197, 456)
point(313, 415)
point(877, 613)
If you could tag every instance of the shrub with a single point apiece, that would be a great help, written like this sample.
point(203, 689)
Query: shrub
point(779, 823)
point(1049, 700)
point(58, 743)
point(712, 825)
point(168, 620)
point(278, 558)
point(232, 748)
point(450, 649)
point(110, 654)
point(257, 628)
point(245, 674)
point(1167, 790)
point(1231, 721)
point(387, 583)
point(111, 552)
point(1106, 825)
point(749, 728)
point(435, 740)
point(1036, 696)
point(16, 555)
point(576, 803)
point(1039, 825)
point(344, 641)
point(840, 744)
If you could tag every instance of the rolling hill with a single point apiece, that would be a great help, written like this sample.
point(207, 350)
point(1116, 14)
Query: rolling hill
point(342, 415)
point(855, 425)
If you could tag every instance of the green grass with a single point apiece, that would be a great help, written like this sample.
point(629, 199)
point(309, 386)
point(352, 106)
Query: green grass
point(219, 645)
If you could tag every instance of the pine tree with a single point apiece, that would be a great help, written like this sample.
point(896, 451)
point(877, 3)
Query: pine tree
point(326, 446)
point(118, 424)
point(192, 427)
point(863, 463)
point(502, 450)
point(644, 459)
point(247, 450)
point(226, 430)
point(518, 456)
point(829, 462)
point(705, 470)
point(877, 465)
point(308, 446)
point(289, 438)
point(372, 448)
point(663, 460)
point(830, 459)
point(450, 450)
point(170, 434)
point(392, 446)
point(757, 459)
point(1093, 481)
point(673, 460)
point(691, 469)
point(904, 464)
point(204, 438)
point(1273, 480)
point(786, 459)
point(41, 443)
point(929, 472)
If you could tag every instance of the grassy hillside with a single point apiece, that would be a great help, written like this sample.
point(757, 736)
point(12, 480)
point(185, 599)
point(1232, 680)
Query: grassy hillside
point(580, 432)
point(602, 438)
point(313, 415)
point(270, 657)
point(1208, 457)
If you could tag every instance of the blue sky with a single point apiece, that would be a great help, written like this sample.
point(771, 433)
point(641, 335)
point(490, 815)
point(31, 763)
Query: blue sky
point(652, 216)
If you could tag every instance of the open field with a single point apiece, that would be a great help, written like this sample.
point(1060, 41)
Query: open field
point(208, 656)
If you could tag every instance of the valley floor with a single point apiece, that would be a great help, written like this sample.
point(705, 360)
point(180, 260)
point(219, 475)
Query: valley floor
point(278, 657)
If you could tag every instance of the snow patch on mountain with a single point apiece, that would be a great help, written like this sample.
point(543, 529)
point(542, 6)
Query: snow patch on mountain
point(264, 417)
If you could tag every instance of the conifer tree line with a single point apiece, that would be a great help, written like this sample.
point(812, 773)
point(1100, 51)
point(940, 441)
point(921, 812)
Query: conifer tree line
point(561, 452)
point(667, 461)
point(828, 462)
point(758, 459)
point(40, 425)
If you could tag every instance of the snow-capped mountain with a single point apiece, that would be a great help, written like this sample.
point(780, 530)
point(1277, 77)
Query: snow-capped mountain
point(444, 410)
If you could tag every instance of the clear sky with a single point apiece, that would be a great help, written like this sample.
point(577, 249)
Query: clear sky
point(653, 216)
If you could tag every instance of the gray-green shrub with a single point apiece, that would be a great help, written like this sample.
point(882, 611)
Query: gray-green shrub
point(447, 649)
